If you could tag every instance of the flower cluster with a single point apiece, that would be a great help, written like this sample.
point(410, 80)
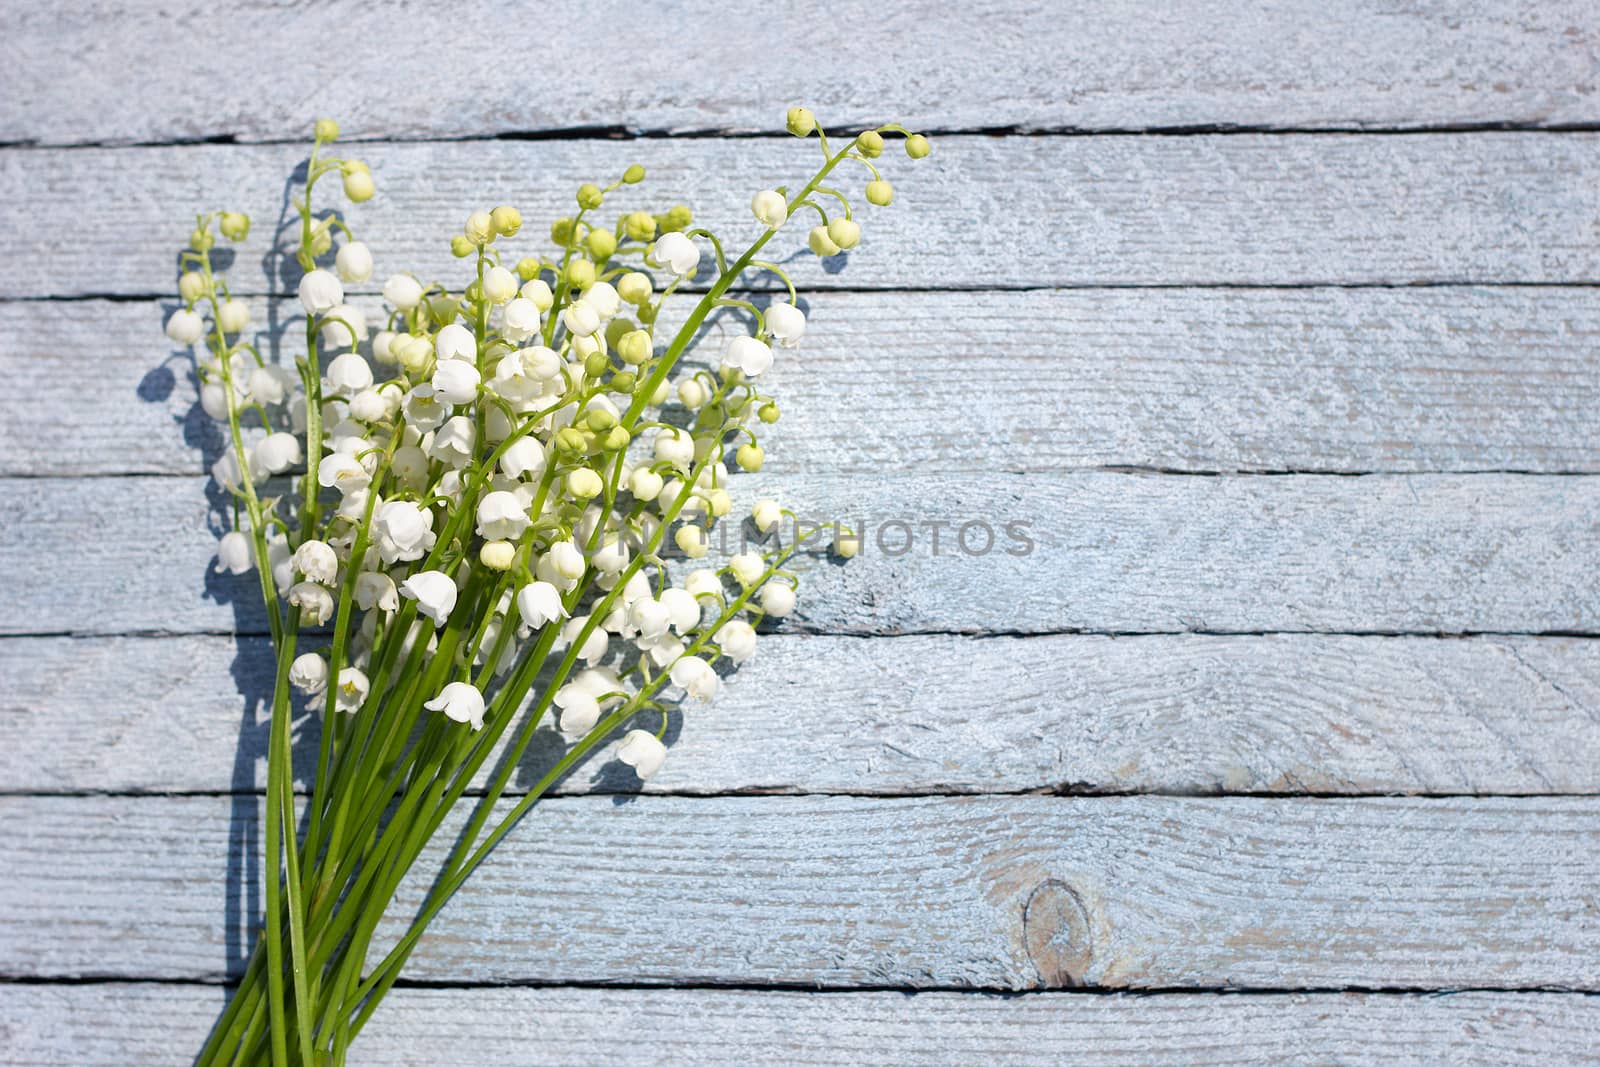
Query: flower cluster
point(477, 487)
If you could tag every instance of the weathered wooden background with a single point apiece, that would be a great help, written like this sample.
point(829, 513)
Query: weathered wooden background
point(1276, 322)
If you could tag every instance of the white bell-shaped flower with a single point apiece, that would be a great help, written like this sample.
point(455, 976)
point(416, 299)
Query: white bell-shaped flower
point(580, 319)
point(642, 751)
point(499, 285)
point(351, 691)
point(650, 618)
point(455, 381)
point(403, 291)
point(320, 292)
point(454, 441)
point(579, 710)
point(317, 561)
point(675, 253)
point(346, 327)
point(455, 341)
point(770, 208)
point(313, 600)
point(748, 355)
point(777, 599)
point(695, 676)
point(309, 673)
point(502, 517)
point(234, 553)
point(747, 567)
point(403, 532)
point(602, 296)
point(354, 262)
point(539, 603)
point(738, 640)
point(275, 453)
point(376, 590)
point(434, 592)
point(786, 323)
point(766, 514)
point(523, 457)
point(674, 446)
point(704, 583)
point(460, 702)
point(185, 327)
point(521, 320)
point(348, 374)
point(683, 610)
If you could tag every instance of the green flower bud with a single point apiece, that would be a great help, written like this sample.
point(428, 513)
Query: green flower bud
point(460, 247)
point(616, 438)
point(358, 187)
point(590, 196)
point(801, 121)
point(880, 193)
point(192, 286)
point(571, 441)
point(584, 483)
point(677, 219)
point(633, 175)
point(235, 226)
point(769, 413)
point(580, 274)
point(917, 146)
point(624, 381)
point(202, 240)
point(562, 231)
point(599, 420)
point(750, 457)
point(326, 130)
point(635, 347)
point(616, 330)
point(497, 555)
point(821, 243)
point(691, 540)
point(474, 293)
point(601, 243)
point(480, 228)
point(639, 225)
point(527, 269)
point(871, 144)
point(634, 287)
point(321, 239)
point(648, 313)
point(506, 220)
point(845, 233)
point(595, 363)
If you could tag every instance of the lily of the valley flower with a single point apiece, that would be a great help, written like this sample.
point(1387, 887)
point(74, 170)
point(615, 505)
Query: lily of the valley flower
point(539, 603)
point(676, 253)
point(354, 262)
point(786, 323)
point(185, 327)
point(234, 553)
point(374, 589)
point(502, 516)
point(461, 702)
point(642, 751)
point(320, 292)
point(309, 673)
point(313, 600)
point(351, 692)
point(770, 208)
point(695, 676)
point(434, 592)
point(748, 355)
point(317, 561)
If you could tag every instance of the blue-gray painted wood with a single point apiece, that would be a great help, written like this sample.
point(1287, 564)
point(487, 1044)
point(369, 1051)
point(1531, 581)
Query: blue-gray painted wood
point(1015, 211)
point(974, 892)
point(1175, 714)
point(136, 73)
point(114, 1025)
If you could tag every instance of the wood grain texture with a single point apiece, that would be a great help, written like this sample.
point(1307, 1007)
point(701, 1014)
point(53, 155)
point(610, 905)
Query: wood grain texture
point(1336, 380)
point(113, 1025)
point(971, 892)
point(106, 73)
point(1099, 551)
point(981, 212)
point(1172, 714)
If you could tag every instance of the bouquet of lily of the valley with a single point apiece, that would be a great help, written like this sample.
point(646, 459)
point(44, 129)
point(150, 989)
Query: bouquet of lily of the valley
point(460, 510)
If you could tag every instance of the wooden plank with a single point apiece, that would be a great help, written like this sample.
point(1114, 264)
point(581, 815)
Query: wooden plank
point(1173, 714)
point(112, 1025)
point(1099, 551)
point(982, 211)
point(980, 892)
point(1329, 379)
point(133, 71)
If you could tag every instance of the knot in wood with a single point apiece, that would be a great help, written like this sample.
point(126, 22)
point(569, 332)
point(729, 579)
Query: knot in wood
point(1058, 934)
